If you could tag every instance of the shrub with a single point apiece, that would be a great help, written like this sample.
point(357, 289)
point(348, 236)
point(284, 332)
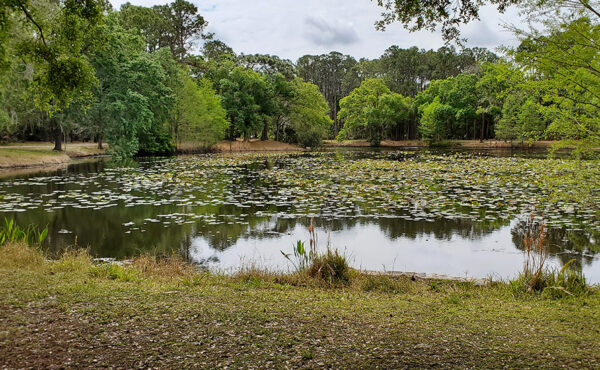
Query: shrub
point(331, 267)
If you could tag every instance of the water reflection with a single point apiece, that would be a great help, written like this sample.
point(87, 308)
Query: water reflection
point(237, 214)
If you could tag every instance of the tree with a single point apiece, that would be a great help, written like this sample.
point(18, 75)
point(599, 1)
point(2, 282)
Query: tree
point(370, 110)
point(176, 25)
point(328, 71)
point(449, 15)
point(200, 118)
point(436, 118)
point(497, 80)
point(245, 96)
point(521, 119)
point(132, 102)
point(56, 35)
point(185, 26)
point(565, 69)
point(216, 49)
point(308, 114)
point(417, 15)
point(459, 96)
point(268, 64)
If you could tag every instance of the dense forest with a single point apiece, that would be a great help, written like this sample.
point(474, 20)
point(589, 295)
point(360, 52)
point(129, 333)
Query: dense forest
point(151, 79)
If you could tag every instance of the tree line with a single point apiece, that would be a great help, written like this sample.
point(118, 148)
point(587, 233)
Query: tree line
point(139, 79)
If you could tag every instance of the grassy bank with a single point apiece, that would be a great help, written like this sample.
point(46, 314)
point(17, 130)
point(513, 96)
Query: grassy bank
point(71, 312)
point(41, 154)
point(255, 145)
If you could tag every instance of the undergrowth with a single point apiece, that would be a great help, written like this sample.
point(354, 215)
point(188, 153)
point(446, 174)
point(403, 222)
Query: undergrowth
point(329, 271)
point(537, 277)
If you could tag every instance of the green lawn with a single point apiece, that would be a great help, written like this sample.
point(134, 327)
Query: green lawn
point(74, 313)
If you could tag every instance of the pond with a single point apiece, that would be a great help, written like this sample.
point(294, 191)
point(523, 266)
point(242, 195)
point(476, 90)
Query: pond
point(453, 213)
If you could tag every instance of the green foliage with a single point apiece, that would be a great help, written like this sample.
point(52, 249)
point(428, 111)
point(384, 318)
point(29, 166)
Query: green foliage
point(302, 256)
point(371, 109)
point(429, 15)
point(308, 114)
point(13, 233)
point(331, 267)
point(60, 33)
point(435, 120)
point(175, 26)
point(199, 116)
point(133, 101)
point(521, 119)
point(566, 65)
point(247, 99)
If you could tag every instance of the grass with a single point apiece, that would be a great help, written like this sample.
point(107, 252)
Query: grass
point(162, 312)
point(41, 154)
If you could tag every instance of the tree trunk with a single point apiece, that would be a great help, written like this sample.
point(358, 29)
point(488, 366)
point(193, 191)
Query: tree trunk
point(265, 132)
point(100, 141)
point(482, 127)
point(57, 135)
point(336, 129)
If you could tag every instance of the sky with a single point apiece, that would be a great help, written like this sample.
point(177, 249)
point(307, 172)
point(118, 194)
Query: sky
point(292, 28)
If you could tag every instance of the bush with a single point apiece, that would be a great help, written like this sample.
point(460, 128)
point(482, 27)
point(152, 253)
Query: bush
point(331, 267)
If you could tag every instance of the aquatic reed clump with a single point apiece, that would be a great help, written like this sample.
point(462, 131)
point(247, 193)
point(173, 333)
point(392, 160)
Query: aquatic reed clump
point(537, 277)
point(10, 232)
point(331, 267)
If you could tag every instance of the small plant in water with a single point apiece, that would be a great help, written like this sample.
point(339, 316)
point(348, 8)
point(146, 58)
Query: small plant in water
point(533, 243)
point(331, 266)
point(13, 233)
point(537, 277)
point(302, 256)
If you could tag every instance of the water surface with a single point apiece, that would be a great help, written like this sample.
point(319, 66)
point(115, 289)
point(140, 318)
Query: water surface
point(454, 213)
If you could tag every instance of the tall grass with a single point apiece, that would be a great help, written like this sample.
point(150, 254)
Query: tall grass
point(537, 277)
point(31, 235)
point(331, 267)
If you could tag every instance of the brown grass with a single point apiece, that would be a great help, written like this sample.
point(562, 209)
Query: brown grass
point(255, 145)
point(41, 154)
point(19, 255)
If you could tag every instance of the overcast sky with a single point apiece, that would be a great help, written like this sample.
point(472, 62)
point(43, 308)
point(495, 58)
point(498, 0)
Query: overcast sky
point(292, 28)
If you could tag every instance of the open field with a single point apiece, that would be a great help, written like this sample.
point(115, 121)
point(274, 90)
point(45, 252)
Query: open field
point(74, 313)
point(34, 154)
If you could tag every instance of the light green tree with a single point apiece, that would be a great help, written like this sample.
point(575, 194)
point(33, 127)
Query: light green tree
point(201, 120)
point(308, 114)
point(370, 110)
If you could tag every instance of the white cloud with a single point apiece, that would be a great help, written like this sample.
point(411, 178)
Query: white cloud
point(329, 33)
point(292, 28)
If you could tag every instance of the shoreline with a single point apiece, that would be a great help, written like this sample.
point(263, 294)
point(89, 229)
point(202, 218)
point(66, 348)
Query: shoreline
point(448, 144)
point(160, 313)
point(40, 155)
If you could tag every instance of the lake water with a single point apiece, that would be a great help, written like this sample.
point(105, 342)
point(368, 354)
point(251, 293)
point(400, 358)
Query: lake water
point(459, 214)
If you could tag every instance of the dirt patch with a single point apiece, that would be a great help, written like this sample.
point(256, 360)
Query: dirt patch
point(255, 146)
